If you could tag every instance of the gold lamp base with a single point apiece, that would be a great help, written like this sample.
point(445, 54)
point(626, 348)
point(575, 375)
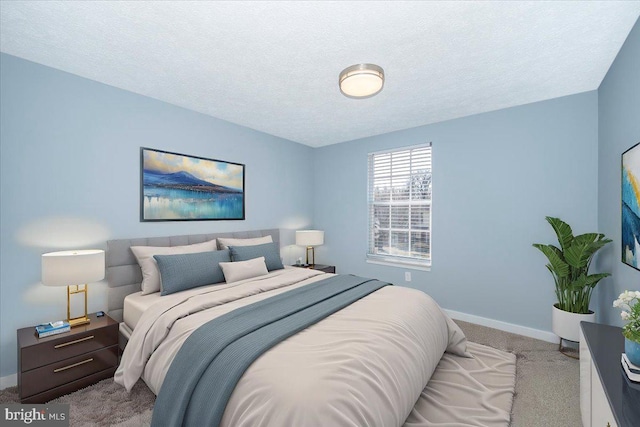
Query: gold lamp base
point(81, 320)
point(77, 321)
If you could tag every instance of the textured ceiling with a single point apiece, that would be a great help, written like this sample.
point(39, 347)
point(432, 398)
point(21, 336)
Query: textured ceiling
point(273, 65)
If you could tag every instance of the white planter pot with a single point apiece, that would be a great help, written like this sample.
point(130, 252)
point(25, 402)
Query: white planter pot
point(567, 325)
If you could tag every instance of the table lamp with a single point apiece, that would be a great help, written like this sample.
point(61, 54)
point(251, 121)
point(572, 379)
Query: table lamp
point(310, 239)
point(73, 269)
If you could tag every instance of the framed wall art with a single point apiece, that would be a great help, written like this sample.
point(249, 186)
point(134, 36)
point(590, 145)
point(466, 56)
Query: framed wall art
point(631, 206)
point(178, 187)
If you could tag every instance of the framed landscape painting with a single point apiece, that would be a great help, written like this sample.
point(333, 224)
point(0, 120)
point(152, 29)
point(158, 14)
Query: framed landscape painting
point(178, 187)
point(631, 207)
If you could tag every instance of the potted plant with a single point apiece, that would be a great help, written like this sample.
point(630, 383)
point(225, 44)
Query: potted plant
point(629, 303)
point(569, 265)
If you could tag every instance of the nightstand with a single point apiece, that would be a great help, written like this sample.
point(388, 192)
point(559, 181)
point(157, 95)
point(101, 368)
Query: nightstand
point(321, 267)
point(60, 364)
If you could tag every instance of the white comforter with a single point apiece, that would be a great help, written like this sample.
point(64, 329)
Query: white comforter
point(364, 365)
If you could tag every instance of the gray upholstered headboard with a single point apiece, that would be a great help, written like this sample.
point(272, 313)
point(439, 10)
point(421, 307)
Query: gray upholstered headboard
point(123, 272)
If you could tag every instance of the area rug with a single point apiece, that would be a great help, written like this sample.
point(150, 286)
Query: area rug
point(103, 404)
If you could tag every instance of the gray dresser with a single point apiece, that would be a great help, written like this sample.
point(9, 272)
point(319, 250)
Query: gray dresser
point(607, 397)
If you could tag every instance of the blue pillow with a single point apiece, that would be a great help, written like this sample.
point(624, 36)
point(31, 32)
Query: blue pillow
point(186, 271)
point(270, 252)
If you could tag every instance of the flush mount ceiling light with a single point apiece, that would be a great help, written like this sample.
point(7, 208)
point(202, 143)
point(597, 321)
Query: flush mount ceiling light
point(361, 80)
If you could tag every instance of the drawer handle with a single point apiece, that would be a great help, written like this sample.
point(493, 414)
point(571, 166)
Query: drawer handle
point(90, 337)
point(73, 365)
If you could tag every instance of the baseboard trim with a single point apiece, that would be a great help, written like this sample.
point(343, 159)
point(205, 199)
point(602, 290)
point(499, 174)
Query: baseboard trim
point(8, 381)
point(504, 326)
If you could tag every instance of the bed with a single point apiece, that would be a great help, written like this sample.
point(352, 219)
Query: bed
point(391, 357)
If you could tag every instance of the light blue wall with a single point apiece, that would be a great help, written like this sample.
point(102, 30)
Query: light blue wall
point(495, 177)
point(69, 178)
point(618, 130)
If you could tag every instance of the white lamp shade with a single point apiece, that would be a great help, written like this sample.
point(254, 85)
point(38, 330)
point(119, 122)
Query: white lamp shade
point(66, 268)
point(309, 237)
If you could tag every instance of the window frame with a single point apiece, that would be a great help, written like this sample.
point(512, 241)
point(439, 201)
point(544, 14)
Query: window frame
point(411, 262)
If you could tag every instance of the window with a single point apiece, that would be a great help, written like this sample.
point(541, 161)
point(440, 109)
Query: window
point(400, 206)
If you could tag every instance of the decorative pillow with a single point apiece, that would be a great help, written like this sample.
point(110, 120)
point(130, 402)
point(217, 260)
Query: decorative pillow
point(185, 271)
point(225, 242)
point(270, 252)
point(235, 271)
point(149, 267)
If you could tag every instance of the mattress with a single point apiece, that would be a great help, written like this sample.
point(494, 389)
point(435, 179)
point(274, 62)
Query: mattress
point(135, 304)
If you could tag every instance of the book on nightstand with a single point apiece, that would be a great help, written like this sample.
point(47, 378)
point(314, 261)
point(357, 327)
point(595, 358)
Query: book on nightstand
point(632, 371)
point(52, 328)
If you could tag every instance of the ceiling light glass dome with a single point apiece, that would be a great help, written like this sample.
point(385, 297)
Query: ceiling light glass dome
point(361, 80)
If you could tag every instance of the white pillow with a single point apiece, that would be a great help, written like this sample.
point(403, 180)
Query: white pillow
point(149, 266)
point(225, 242)
point(235, 271)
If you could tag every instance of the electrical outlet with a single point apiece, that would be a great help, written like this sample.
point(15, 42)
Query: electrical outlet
point(407, 276)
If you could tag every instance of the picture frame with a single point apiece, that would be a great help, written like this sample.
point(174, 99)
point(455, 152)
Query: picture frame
point(630, 207)
point(181, 187)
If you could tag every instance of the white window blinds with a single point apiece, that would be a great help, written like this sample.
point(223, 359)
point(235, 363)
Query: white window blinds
point(400, 205)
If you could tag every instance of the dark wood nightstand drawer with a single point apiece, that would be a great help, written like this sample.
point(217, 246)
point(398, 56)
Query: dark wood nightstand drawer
point(59, 373)
point(59, 364)
point(63, 346)
point(67, 388)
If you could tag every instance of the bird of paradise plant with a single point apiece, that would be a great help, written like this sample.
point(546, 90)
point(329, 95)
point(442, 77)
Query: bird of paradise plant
point(569, 265)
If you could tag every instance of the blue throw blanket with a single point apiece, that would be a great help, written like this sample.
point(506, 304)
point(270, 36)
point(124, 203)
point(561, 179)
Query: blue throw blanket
point(210, 363)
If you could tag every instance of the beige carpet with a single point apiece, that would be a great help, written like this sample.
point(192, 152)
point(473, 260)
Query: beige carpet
point(547, 388)
point(547, 382)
